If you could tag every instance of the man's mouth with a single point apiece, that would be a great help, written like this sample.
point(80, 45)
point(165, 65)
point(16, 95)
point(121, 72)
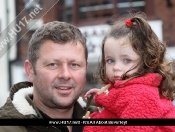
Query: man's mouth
point(63, 88)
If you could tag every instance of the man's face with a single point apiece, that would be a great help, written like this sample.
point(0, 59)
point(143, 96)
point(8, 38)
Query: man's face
point(60, 74)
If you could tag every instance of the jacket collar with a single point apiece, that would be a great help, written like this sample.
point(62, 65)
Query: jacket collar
point(21, 93)
point(23, 107)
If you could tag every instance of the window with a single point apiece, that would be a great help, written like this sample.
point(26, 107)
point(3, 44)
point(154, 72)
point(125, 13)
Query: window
point(79, 11)
point(66, 10)
point(126, 5)
point(94, 9)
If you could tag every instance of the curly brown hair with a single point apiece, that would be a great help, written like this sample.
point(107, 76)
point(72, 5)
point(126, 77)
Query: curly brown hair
point(147, 45)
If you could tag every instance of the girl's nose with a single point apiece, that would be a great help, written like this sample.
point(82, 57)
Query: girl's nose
point(117, 67)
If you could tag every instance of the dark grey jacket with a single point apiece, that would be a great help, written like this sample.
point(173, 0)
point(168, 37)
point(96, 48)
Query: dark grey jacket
point(19, 105)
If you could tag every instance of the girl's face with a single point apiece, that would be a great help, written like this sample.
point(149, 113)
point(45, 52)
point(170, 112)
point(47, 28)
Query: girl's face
point(119, 58)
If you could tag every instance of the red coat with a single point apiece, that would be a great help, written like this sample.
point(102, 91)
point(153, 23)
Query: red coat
point(137, 98)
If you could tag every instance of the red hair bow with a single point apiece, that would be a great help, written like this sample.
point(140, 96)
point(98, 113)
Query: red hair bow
point(128, 22)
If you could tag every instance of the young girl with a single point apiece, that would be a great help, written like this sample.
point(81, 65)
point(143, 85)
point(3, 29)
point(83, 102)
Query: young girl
point(141, 79)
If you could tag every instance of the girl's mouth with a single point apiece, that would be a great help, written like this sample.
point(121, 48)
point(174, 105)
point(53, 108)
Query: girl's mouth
point(117, 78)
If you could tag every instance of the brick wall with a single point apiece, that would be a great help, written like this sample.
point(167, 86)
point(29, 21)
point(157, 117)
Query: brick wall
point(165, 11)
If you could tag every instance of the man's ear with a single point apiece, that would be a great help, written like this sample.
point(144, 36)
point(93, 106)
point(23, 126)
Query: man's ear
point(87, 63)
point(29, 70)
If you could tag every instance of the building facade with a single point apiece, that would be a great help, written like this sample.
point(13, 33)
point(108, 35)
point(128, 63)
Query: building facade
point(93, 17)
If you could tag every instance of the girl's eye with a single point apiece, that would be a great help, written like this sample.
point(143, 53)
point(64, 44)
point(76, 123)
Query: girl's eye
point(127, 61)
point(110, 61)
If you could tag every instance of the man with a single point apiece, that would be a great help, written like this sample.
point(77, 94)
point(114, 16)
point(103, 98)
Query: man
point(56, 68)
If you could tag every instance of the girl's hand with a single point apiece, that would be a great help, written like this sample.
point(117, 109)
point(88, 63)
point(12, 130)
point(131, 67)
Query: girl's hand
point(91, 91)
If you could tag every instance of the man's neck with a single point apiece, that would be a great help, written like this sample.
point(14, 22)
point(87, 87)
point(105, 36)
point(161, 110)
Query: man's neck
point(58, 113)
point(54, 112)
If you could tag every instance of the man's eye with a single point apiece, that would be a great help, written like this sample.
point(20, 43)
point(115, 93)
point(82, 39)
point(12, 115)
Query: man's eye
point(74, 64)
point(52, 64)
point(127, 60)
point(110, 61)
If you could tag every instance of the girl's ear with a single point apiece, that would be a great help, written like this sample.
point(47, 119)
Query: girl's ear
point(29, 70)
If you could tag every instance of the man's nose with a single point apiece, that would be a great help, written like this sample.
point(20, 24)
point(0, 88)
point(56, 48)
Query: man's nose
point(64, 73)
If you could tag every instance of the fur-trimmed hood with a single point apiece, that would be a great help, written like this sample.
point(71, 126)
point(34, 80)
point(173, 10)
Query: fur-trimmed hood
point(20, 105)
